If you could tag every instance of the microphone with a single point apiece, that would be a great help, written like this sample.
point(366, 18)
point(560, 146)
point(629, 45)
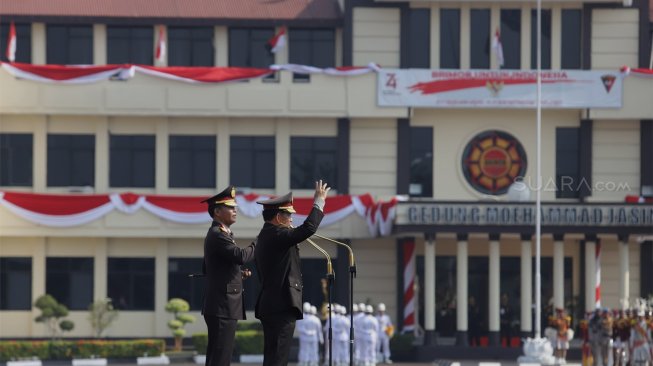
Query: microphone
point(352, 263)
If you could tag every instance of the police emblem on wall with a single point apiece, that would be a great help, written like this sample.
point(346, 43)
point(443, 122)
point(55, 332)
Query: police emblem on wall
point(492, 160)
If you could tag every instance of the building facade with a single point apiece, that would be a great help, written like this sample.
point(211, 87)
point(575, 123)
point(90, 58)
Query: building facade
point(152, 136)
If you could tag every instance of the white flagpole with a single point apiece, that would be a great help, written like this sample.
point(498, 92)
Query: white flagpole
point(538, 191)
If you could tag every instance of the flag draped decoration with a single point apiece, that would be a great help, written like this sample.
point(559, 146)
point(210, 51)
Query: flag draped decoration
point(11, 43)
point(278, 42)
point(68, 210)
point(408, 248)
point(203, 74)
point(61, 74)
point(160, 54)
point(335, 71)
point(497, 47)
point(627, 70)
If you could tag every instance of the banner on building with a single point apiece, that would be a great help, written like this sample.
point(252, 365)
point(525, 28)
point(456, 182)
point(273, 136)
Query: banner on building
point(499, 88)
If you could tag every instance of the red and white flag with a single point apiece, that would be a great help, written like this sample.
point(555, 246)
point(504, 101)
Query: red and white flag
point(497, 47)
point(11, 43)
point(278, 42)
point(161, 46)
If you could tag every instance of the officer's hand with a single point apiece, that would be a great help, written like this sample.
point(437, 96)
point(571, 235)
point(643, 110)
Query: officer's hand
point(321, 190)
point(245, 273)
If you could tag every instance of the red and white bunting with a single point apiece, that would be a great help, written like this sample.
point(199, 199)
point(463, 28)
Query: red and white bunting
point(641, 72)
point(160, 53)
point(66, 74)
point(334, 71)
point(203, 74)
point(11, 43)
point(74, 210)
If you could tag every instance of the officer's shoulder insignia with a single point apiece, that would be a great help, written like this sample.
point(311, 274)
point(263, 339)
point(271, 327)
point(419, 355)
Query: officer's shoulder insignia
point(222, 228)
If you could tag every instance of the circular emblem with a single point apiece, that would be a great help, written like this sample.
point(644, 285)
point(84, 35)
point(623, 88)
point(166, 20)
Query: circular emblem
point(492, 160)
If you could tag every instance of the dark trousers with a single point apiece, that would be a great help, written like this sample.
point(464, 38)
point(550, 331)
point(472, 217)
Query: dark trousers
point(277, 338)
point(222, 332)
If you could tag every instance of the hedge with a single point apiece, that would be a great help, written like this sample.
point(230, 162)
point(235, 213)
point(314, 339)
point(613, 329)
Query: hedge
point(61, 350)
point(248, 341)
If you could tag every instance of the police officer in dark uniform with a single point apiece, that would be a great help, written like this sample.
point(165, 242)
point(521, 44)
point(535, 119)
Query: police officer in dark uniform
point(223, 291)
point(279, 302)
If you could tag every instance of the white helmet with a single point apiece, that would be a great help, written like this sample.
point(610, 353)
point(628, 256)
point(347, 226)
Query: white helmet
point(381, 307)
point(369, 309)
point(362, 307)
point(313, 310)
point(307, 307)
point(354, 308)
point(343, 310)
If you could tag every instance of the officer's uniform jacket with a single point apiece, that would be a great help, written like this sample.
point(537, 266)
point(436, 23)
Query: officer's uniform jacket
point(279, 267)
point(223, 290)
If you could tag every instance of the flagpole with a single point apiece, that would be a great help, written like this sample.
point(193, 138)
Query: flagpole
point(538, 190)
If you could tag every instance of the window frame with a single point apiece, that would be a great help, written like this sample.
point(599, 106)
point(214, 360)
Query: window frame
point(68, 272)
point(72, 153)
point(11, 154)
point(24, 303)
point(136, 269)
point(312, 151)
point(258, 146)
point(133, 156)
point(61, 54)
point(195, 162)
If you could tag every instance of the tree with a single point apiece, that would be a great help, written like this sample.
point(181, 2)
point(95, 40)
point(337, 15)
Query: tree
point(51, 312)
point(101, 315)
point(179, 308)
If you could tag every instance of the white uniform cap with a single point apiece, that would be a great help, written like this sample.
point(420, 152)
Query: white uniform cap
point(362, 306)
point(343, 310)
point(307, 307)
point(381, 307)
point(313, 310)
point(369, 309)
point(354, 308)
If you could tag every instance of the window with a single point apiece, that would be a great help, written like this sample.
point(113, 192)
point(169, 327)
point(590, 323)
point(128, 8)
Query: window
point(546, 39)
point(131, 161)
point(16, 159)
point(69, 44)
point(252, 161)
point(70, 281)
point(571, 42)
point(511, 38)
point(449, 38)
point(23, 42)
point(419, 41)
point(248, 47)
point(130, 283)
point(15, 283)
point(127, 45)
point(192, 162)
point(183, 287)
point(311, 159)
point(190, 46)
point(567, 162)
point(315, 47)
point(421, 162)
point(71, 160)
point(480, 39)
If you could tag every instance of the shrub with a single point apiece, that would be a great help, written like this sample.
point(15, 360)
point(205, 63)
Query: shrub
point(14, 350)
point(101, 314)
point(200, 341)
point(58, 350)
point(401, 342)
point(249, 342)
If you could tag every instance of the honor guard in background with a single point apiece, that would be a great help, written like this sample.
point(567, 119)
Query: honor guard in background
point(386, 331)
point(223, 292)
point(278, 264)
point(369, 334)
point(640, 341)
point(310, 337)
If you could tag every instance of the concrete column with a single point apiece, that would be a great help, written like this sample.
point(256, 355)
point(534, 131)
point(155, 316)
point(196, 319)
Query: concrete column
point(590, 274)
point(624, 272)
point(38, 284)
point(526, 319)
point(223, 141)
point(99, 44)
point(40, 153)
point(100, 273)
point(494, 286)
point(556, 37)
point(461, 292)
point(161, 289)
point(102, 154)
point(429, 290)
point(221, 45)
point(465, 29)
point(161, 161)
point(282, 140)
point(38, 44)
point(558, 272)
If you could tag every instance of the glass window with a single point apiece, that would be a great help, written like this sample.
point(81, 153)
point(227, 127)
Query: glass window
point(314, 47)
point(69, 44)
point(480, 38)
point(183, 287)
point(252, 161)
point(571, 42)
point(192, 161)
point(15, 283)
point(190, 46)
point(421, 162)
point(567, 162)
point(449, 38)
point(131, 160)
point(419, 41)
point(311, 159)
point(248, 47)
point(129, 44)
point(70, 281)
point(546, 39)
point(23, 42)
point(16, 159)
point(511, 38)
point(130, 283)
point(71, 160)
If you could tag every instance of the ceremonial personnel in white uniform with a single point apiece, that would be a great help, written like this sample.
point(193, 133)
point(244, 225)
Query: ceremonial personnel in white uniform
point(368, 334)
point(357, 314)
point(385, 329)
point(310, 332)
point(315, 353)
point(640, 341)
point(341, 337)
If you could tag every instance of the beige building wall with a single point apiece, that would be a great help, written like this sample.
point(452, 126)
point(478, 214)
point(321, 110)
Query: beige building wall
point(376, 278)
point(615, 160)
point(614, 38)
point(373, 157)
point(376, 36)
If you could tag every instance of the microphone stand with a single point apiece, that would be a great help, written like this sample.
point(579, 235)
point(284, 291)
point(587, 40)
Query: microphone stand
point(330, 279)
point(352, 275)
